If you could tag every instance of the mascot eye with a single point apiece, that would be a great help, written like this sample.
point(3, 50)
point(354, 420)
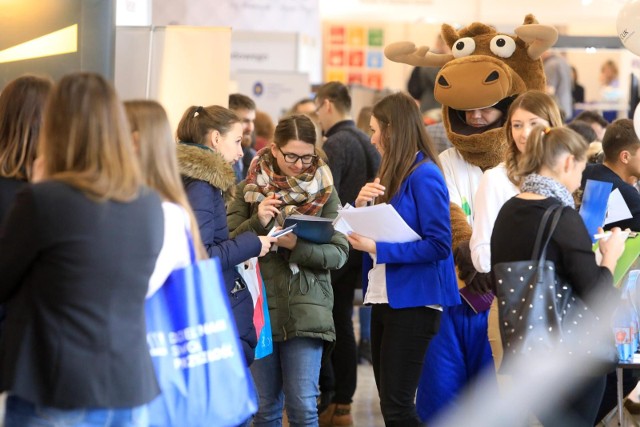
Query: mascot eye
point(502, 46)
point(463, 47)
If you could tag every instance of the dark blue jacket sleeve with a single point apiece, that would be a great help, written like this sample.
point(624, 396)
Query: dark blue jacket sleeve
point(208, 206)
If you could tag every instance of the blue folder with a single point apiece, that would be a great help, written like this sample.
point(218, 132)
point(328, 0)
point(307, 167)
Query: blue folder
point(594, 205)
point(312, 228)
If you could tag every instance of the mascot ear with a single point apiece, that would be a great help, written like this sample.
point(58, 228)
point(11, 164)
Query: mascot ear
point(449, 35)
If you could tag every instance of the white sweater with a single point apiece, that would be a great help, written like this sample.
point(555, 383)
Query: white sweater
point(175, 247)
point(493, 191)
point(462, 180)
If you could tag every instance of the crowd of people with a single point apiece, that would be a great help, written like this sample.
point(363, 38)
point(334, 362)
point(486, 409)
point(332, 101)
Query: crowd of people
point(99, 202)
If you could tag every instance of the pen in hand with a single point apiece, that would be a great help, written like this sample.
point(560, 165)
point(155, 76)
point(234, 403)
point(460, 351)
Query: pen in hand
point(606, 234)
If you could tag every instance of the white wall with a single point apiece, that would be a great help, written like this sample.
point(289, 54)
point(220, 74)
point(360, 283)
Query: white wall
point(300, 17)
point(496, 12)
point(178, 66)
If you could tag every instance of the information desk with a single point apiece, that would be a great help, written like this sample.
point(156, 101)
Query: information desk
point(629, 364)
point(627, 262)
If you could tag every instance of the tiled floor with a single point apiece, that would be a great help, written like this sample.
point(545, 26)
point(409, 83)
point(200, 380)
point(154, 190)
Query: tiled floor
point(366, 404)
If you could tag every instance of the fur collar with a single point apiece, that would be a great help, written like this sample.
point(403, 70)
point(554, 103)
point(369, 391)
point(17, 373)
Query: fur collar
point(205, 165)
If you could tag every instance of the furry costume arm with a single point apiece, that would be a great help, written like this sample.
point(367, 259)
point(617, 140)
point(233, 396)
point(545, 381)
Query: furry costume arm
point(460, 228)
point(479, 283)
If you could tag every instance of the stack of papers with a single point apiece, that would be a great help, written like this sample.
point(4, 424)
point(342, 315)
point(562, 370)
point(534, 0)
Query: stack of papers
point(381, 223)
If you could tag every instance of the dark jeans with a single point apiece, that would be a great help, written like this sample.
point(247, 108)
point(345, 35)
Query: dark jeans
point(340, 375)
point(399, 341)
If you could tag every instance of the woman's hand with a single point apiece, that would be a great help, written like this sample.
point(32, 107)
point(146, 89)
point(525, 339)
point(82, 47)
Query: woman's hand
point(266, 242)
point(268, 209)
point(612, 247)
point(288, 241)
point(369, 192)
point(362, 243)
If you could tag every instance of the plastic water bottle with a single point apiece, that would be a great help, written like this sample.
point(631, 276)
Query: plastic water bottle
point(633, 296)
point(624, 328)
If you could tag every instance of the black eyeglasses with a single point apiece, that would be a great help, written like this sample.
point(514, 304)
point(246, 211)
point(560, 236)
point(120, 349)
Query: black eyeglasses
point(306, 160)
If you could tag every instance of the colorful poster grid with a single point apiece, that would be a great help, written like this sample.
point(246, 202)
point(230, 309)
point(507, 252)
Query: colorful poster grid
point(353, 54)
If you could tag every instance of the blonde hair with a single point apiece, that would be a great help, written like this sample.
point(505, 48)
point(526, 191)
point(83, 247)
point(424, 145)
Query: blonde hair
point(158, 161)
point(86, 141)
point(545, 145)
point(22, 104)
point(535, 102)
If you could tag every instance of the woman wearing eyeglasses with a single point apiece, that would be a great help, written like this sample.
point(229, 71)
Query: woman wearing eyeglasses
point(289, 178)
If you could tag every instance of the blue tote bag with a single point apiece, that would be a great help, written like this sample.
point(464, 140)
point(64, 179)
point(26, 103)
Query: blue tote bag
point(195, 350)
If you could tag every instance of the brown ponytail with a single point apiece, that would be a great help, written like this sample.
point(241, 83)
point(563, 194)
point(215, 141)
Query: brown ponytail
point(545, 145)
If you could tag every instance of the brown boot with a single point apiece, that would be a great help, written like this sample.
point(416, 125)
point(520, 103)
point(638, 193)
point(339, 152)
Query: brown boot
point(325, 417)
point(342, 416)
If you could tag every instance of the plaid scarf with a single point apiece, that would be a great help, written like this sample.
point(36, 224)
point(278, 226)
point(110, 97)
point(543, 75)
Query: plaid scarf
point(304, 194)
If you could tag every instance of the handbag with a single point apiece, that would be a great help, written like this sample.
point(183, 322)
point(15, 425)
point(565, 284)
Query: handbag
point(250, 273)
point(194, 346)
point(538, 310)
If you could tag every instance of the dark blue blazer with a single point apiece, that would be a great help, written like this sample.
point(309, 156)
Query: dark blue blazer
point(420, 273)
point(8, 189)
point(74, 273)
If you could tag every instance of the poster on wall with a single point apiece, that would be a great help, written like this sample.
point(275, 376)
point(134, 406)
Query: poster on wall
point(354, 54)
point(273, 92)
point(299, 17)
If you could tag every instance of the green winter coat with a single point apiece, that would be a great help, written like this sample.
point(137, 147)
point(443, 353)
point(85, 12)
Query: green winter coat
point(301, 304)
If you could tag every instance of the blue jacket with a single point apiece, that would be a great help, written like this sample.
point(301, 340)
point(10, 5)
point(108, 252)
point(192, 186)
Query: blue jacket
point(420, 273)
point(206, 175)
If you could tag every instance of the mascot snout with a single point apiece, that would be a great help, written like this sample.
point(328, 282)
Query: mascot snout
point(476, 82)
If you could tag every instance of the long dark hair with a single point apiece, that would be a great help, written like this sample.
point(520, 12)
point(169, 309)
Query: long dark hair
point(402, 135)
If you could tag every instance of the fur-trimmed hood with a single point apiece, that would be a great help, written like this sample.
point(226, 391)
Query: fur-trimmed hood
point(202, 163)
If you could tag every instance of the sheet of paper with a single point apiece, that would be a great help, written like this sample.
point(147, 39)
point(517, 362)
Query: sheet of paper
point(617, 209)
point(381, 223)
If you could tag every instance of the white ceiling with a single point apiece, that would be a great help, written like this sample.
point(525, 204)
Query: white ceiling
point(579, 13)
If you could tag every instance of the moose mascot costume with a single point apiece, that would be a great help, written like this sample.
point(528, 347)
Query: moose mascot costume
point(485, 69)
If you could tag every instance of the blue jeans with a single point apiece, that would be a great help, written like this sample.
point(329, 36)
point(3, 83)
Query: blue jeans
point(21, 413)
point(292, 370)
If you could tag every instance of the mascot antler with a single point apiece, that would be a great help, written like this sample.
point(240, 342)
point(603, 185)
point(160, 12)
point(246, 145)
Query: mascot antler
point(407, 53)
point(538, 37)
